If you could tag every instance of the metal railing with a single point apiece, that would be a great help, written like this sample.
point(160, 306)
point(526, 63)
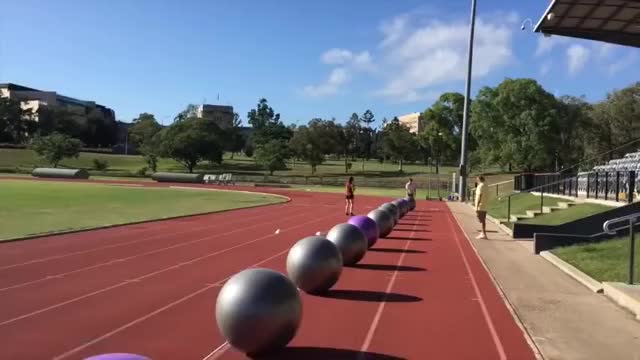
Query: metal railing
point(632, 220)
point(620, 182)
point(603, 185)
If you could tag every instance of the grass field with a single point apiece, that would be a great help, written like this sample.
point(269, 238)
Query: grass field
point(563, 216)
point(29, 207)
point(605, 261)
point(520, 203)
point(332, 172)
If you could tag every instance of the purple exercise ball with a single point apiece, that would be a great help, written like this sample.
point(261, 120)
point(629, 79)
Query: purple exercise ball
point(368, 227)
point(118, 356)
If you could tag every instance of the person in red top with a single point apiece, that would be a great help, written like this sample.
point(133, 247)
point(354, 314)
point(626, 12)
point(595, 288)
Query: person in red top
point(350, 189)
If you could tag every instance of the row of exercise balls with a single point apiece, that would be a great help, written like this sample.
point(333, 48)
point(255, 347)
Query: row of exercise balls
point(260, 310)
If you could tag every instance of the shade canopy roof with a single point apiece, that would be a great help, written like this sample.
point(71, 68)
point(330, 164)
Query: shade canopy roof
point(611, 21)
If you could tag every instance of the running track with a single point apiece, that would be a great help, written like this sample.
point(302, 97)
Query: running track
point(421, 293)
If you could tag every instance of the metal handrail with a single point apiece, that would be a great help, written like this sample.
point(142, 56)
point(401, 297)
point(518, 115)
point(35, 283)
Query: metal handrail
point(632, 219)
point(607, 224)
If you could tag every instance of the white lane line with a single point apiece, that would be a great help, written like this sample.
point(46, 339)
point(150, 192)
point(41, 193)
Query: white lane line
point(157, 311)
point(122, 283)
point(217, 352)
point(140, 255)
point(476, 289)
point(376, 319)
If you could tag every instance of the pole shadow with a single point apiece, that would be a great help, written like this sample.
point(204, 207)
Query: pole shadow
point(386, 267)
point(369, 296)
point(391, 250)
point(321, 353)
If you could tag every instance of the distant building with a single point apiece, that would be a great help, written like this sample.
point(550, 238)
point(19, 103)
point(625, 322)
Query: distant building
point(413, 121)
point(220, 114)
point(34, 100)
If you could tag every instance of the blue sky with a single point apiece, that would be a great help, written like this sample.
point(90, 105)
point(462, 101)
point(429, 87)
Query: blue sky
point(309, 59)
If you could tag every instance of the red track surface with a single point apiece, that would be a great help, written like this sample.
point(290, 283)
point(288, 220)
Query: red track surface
point(422, 293)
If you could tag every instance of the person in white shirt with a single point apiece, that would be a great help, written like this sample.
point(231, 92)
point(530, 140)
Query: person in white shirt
point(411, 188)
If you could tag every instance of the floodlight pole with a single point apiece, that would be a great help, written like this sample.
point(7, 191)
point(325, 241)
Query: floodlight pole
point(465, 120)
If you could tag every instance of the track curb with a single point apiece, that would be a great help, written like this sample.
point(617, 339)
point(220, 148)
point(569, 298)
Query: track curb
point(574, 272)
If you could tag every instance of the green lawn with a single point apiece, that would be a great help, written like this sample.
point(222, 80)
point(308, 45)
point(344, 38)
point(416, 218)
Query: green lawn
point(29, 207)
point(331, 172)
point(520, 203)
point(563, 216)
point(605, 261)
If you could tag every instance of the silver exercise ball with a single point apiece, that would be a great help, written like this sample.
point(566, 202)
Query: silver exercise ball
point(314, 264)
point(258, 310)
point(384, 221)
point(351, 242)
point(392, 209)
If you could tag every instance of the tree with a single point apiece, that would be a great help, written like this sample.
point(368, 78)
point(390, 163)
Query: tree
point(616, 121)
point(351, 132)
point(145, 134)
point(236, 139)
point(367, 136)
point(311, 143)
point(398, 142)
point(144, 128)
point(516, 124)
point(192, 140)
point(267, 125)
point(272, 155)
point(191, 111)
point(575, 129)
point(55, 147)
point(14, 123)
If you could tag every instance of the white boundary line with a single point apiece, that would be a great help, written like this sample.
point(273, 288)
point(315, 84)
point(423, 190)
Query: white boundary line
point(154, 273)
point(219, 351)
point(228, 190)
point(505, 299)
point(476, 288)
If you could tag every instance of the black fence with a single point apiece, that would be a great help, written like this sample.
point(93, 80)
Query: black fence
point(604, 185)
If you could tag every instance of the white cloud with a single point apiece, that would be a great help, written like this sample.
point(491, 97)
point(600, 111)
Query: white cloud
point(331, 86)
point(335, 56)
point(577, 56)
point(436, 53)
point(546, 44)
point(393, 30)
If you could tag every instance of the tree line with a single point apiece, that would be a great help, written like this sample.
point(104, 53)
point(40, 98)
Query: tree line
point(516, 125)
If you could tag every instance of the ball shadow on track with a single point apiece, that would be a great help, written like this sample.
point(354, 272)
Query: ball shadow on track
point(385, 267)
point(391, 250)
point(322, 353)
point(412, 230)
point(405, 238)
point(369, 296)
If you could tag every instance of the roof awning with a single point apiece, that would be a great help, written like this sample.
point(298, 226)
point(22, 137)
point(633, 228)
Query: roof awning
point(611, 21)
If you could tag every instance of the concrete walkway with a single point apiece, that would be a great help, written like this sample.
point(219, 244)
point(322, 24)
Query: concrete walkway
point(564, 319)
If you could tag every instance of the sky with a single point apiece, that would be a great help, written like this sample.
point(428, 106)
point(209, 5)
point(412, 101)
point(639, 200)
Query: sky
point(309, 59)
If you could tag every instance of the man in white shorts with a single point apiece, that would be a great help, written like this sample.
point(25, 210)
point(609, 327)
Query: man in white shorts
point(411, 188)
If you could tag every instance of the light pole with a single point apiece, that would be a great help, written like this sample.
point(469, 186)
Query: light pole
point(465, 119)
